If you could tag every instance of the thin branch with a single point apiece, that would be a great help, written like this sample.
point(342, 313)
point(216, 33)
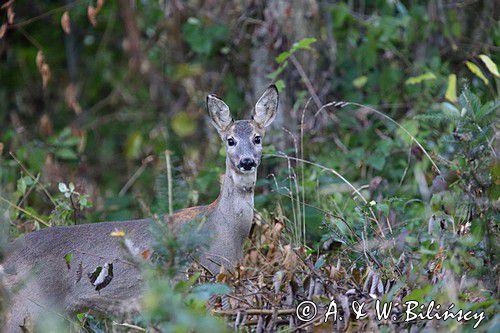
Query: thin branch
point(306, 80)
point(134, 327)
point(36, 218)
point(43, 15)
point(136, 175)
point(33, 177)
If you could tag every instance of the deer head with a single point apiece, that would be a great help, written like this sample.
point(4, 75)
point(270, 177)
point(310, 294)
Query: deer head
point(243, 138)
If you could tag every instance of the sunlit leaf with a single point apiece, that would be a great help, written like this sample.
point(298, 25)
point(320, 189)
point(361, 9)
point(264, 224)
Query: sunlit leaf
point(303, 44)
point(451, 91)
point(280, 84)
point(492, 67)
point(282, 57)
point(67, 259)
point(418, 79)
point(133, 145)
point(476, 71)
point(117, 233)
point(359, 82)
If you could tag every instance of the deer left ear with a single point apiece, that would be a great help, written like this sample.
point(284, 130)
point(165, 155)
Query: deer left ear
point(267, 107)
point(219, 113)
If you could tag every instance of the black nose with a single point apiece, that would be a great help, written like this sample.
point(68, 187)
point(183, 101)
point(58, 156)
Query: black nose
point(247, 164)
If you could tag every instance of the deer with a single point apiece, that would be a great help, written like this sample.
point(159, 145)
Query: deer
point(38, 275)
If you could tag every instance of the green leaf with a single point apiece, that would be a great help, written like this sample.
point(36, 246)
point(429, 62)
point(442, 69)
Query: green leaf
point(492, 67)
point(476, 71)
point(81, 316)
point(183, 125)
point(377, 161)
point(133, 145)
point(283, 56)
point(280, 84)
point(67, 258)
point(66, 154)
point(203, 40)
point(360, 81)
point(304, 44)
point(418, 79)
point(21, 185)
point(451, 91)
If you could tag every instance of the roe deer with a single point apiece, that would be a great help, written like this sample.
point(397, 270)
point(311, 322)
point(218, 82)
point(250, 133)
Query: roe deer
point(37, 261)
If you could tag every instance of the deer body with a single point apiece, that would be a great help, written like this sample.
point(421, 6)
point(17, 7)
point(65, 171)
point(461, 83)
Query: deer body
point(37, 267)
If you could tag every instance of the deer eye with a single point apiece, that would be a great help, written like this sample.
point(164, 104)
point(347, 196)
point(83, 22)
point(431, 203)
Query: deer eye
point(231, 142)
point(257, 140)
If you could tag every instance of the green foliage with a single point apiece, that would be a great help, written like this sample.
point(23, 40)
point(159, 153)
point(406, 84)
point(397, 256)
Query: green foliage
point(68, 206)
point(178, 306)
point(282, 59)
point(204, 40)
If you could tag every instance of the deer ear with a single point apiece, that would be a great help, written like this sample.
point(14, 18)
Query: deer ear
point(219, 113)
point(267, 107)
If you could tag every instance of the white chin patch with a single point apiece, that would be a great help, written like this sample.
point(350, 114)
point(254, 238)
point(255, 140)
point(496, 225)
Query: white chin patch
point(252, 170)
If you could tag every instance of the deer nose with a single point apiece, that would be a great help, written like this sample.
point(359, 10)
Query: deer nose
point(247, 164)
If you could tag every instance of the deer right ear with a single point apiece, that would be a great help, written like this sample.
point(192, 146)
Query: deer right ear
point(266, 108)
point(219, 113)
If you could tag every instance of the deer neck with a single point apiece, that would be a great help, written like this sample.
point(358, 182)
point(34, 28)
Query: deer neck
point(234, 209)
